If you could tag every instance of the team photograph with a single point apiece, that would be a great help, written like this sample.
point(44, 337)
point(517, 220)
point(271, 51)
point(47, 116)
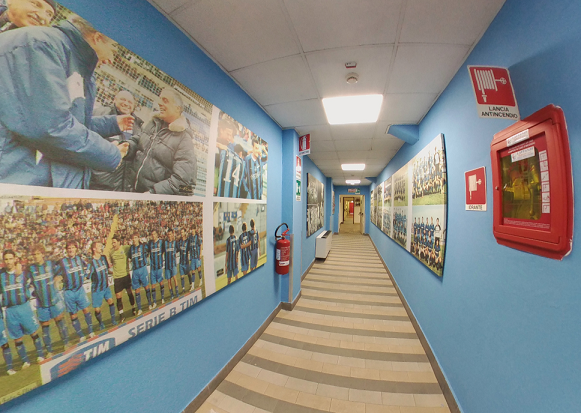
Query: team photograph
point(429, 175)
point(386, 226)
point(239, 240)
point(73, 269)
point(115, 124)
point(428, 241)
point(400, 187)
point(400, 226)
point(240, 162)
point(315, 205)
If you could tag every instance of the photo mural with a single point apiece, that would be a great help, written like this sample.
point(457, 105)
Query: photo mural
point(126, 197)
point(418, 226)
point(315, 205)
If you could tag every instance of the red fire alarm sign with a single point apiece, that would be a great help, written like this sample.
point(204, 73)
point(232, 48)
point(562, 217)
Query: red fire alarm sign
point(494, 92)
point(475, 189)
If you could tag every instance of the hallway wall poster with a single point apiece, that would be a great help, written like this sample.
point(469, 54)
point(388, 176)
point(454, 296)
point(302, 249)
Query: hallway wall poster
point(126, 199)
point(386, 225)
point(315, 205)
point(419, 226)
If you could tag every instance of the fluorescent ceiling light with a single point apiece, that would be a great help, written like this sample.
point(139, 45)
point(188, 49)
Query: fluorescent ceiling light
point(352, 109)
point(353, 181)
point(353, 166)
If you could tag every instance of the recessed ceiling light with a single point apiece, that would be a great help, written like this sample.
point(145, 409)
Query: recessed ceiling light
point(353, 166)
point(353, 181)
point(353, 109)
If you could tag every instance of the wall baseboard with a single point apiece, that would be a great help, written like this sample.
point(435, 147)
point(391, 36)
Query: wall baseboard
point(215, 382)
point(307, 270)
point(448, 395)
point(290, 306)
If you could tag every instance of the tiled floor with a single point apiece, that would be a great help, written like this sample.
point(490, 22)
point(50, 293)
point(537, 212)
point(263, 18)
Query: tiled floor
point(347, 347)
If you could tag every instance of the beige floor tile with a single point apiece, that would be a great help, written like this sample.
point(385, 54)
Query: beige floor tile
point(416, 409)
point(302, 385)
point(272, 377)
point(326, 358)
point(363, 373)
point(314, 401)
point(251, 383)
point(343, 406)
point(247, 369)
point(333, 392)
point(351, 362)
point(337, 369)
point(314, 365)
point(365, 396)
point(282, 393)
point(430, 400)
point(398, 399)
point(210, 408)
point(394, 375)
point(374, 408)
point(232, 405)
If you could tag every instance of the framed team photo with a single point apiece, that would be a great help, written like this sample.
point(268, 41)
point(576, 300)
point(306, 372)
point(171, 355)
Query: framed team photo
point(80, 276)
point(400, 187)
point(315, 205)
point(239, 240)
point(429, 178)
point(379, 208)
point(135, 128)
point(387, 219)
point(428, 243)
point(240, 164)
point(400, 226)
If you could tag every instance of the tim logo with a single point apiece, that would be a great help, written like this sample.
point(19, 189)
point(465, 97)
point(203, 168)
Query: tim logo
point(74, 360)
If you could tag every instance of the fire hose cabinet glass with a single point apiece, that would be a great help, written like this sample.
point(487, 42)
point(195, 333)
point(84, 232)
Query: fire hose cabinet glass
point(533, 185)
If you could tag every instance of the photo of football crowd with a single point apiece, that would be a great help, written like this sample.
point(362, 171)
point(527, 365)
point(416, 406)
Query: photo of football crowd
point(240, 162)
point(428, 237)
point(315, 205)
point(429, 176)
point(74, 268)
point(100, 117)
point(239, 240)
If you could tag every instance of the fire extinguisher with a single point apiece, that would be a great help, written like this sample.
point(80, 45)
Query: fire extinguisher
point(282, 260)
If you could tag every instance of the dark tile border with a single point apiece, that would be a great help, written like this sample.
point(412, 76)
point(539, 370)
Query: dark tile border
point(335, 290)
point(450, 399)
point(219, 378)
point(358, 302)
point(290, 306)
point(363, 316)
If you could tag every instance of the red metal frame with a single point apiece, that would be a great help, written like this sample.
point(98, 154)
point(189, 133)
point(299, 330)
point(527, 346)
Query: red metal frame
point(556, 241)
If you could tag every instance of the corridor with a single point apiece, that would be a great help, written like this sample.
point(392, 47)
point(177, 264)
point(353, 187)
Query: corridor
point(347, 347)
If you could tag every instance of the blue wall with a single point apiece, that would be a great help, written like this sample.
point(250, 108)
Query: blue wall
point(308, 244)
point(343, 190)
point(166, 368)
point(503, 324)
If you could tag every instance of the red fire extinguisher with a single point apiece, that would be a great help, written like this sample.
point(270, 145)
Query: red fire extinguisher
point(282, 259)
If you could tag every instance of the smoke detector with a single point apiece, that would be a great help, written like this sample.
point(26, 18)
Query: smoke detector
point(352, 78)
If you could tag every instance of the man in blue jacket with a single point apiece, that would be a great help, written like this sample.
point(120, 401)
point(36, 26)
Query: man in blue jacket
point(48, 136)
point(23, 13)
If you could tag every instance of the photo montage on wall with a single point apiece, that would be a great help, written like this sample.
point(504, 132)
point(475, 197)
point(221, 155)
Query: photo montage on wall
point(239, 240)
point(315, 205)
point(387, 207)
point(419, 226)
point(112, 215)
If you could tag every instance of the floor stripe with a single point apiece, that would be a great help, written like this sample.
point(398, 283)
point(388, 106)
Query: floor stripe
point(358, 302)
point(343, 352)
point(314, 287)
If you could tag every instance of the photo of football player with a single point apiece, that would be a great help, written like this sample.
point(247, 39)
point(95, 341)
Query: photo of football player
point(119, 260)
point(139, 274)
point(100, 291)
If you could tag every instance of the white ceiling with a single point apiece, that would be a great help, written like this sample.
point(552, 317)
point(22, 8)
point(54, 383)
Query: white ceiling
point(289, 54)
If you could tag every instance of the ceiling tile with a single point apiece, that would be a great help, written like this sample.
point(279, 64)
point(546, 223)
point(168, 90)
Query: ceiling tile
point(321, 156)
point(380, 155)
point(170, 5)
point(354, 144)
point(318, 132)
point(328, 68)
point(407, 108)
point(325, 24)
point(447, 21)
point(330, 164)
point(386, 143)
point(322, 146)
point(238, 34)
point(353, 132)
point(422, 68)
point(281, 80)
point(292, 114)
point(352, 156)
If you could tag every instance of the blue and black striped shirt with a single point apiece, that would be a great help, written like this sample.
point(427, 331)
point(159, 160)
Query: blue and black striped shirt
point(232, 251)
point(99, 273)
point(253, 179)
point(169, 254)
point(156, 254)
point(14, 288)
point(244, 251)
point(231, 173)
point(42, 279)
point(183, 246)
point(195, 244)
point(138, 256)
point(255, 238)
point(73, 272)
